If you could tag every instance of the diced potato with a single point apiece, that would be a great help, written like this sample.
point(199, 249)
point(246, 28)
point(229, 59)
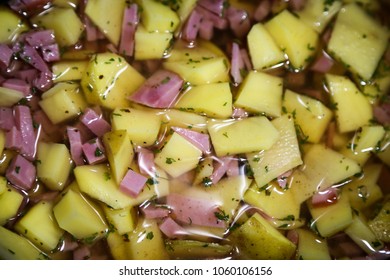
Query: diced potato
point(178, 156)
point(201, 65)
point(263, 50)
point(294, 37)
point(227, 135)
point(63, 102)
point(9, 97)
point(75, 214)
point(352, 109)
point(364, 143)
point(301, 186)
point(333, 218)
point(311, 246)
point(380, 224)
point(119, 151)
point(261, 93)
point(194, 249)
point(257, 239)
point(317, 14)
point(11, 25)
point(183, 8)
point(174, 117)
point(358, 35)
point(311, 116)
point(16, 247)
point(270, 197)
point(146, 242)
point(364, 191)
point(3, 185)
point(142, 126)
point(40, 226)
point(123, 220)
point(68, 70)
point(2, 141)
point(376, 89)
point(362, 235)
point(107, 16)
point(283, 155)
point(65, 23)
point(10, 202)
point(66, 3)
point(156, 16)
point(204, 170)
point(96, 181)
point(151, 45)
point(214, 100)
point(333, 167)
point(117, 245)
point(54, 165)
point(109, 79)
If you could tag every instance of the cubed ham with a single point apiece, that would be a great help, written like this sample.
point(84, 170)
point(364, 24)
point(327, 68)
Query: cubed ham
point(239, 21)
point(13, 139)
point(21, 173)
point(19, 85)
point(187, 210)
point(24, 123)
point(76, 145)
point(237, 64)
point(220, 168)
point(192, 26)
point(132, 183)
point(40, 38)
point(94, 151)
point(6, 118)
point(326, 197)
point(27, 75)
point(82, 253)
point(95, 122)
point(206, 30)
point(262, 10)
point(172, 229)
point(31, 56)
point(200, 140)
point(51, 53)
point(215, 6)
point(216, 20)
point(146, 161)
point(151, 211)
point(160, 90)
point(6, 54)
point(129, 25)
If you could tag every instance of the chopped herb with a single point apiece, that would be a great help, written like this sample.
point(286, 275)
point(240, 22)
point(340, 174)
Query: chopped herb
point(17, 169)
point(225, 134)
point(207, 182)
point(221, 215)
point(170, 160)
point(150, 235)
point(107, 176)
point(165, 80)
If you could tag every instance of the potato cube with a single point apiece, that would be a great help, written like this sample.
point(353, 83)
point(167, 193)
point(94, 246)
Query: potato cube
point(311, 246)
point(294, 37)
point(119, 151)
point(146, 242)
point(178, 156)
point(333, 168)
point(9, 97)
point(257, 239)
point(124, 220)
point(364, 191)
point(11, 26)
point(364, 143)
point(362, 235)
point(68, 70)
point(15, 247)
point(227, 135)
point(40, 226)
point(283, 155)
point(151, 45)
point(156, 16)
point(261, 93)
point(10, 202)
point(357, 34)
point(263, 50)
point(214, 100)
point(380, 224)
point(75, 214)
point(109, 80)
point(142, 126)
point(174, 117)
point(54, 165)
point(352, 109)
point(63, 102)
point(311, 116)
point(269, 197)
point(107, 16)
point(317, 14)
point(65, 23)
point(333, 218)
